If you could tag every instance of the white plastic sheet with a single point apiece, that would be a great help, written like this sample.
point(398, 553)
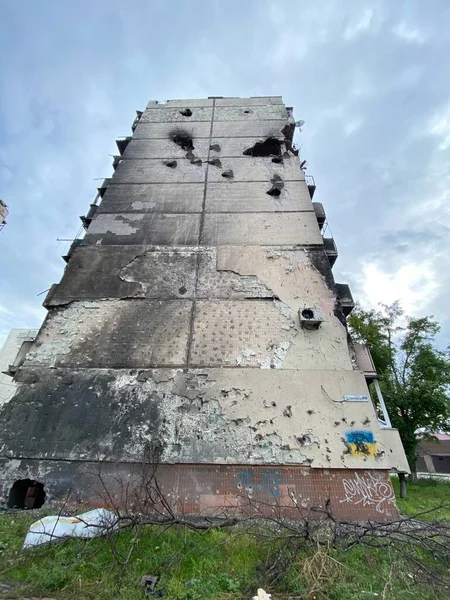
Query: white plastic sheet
point(262, 595)
point(87, 525)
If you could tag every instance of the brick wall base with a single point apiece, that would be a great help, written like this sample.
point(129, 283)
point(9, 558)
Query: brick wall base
point(295, 491)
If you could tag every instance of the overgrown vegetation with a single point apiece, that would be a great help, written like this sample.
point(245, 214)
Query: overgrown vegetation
point(225, 564)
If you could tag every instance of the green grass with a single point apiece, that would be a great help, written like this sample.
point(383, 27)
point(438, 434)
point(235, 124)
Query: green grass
point(219, 565)
point(425, 495)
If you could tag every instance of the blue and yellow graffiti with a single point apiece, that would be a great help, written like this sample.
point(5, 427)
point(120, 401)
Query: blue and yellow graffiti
point(361, 443)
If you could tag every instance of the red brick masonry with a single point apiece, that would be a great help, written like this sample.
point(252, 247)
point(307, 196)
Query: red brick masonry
point(356, 495)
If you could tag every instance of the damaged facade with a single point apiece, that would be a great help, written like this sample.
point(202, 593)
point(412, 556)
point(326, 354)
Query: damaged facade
point(199, 316)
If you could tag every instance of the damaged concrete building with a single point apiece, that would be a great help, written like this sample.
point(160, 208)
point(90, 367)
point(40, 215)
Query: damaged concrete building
point(199, 317)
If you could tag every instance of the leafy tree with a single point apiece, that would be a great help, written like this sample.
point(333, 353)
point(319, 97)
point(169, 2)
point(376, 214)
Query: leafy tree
point(414, 375)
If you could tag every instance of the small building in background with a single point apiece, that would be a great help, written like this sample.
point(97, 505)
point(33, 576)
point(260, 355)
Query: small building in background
point(434, 455)
point(12, 355)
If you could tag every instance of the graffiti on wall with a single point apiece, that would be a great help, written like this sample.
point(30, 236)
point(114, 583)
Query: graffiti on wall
point(369, 490)
point(266, 481)
point(361, 443)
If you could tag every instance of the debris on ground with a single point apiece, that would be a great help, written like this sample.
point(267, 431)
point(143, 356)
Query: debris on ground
point(149, 582)
point(87, 525)
point(262, 595)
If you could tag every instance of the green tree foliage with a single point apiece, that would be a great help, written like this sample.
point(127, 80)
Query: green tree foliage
point(414, 375)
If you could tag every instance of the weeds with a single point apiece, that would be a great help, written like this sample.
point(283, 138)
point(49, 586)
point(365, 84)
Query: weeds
point(290, 560)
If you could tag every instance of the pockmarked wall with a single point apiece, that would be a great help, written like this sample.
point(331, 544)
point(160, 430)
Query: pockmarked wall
point(200, 316)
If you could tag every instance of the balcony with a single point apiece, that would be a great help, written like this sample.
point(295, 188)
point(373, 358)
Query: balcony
point(331, 250)
point(320, 214)
point(311, 185)
point(122, 143)
point(103, 186)
point(73, 246)
point(116, 161)
point(364, 361)
point(345, 298)
point(136, 120)
point(86, 220)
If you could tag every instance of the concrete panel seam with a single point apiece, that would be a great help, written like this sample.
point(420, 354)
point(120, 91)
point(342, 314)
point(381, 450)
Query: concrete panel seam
point(200, 234)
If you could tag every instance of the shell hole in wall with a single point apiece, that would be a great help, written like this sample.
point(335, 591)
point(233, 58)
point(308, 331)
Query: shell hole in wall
point(26, 494)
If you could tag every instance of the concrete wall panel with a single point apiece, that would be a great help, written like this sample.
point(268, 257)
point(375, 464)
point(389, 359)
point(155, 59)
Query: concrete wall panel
point(239, 333)
point(252, 197)
point(257, 101)
point(152, 197)
point(172, 115)
point(200, 102)
point(213, 282)
point(228, 416)
point(96, 272)
point(146, 229)
point(287, 229)
point(159, 171)
point(114, 333)
point(248, 129)
point(197, 129)
point(250, 113)
point(265, 334)
point(163, 148)
point(248, 168)
point(231, 147)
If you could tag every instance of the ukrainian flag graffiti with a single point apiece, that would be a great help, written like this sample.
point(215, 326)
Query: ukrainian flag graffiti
point(361, 443)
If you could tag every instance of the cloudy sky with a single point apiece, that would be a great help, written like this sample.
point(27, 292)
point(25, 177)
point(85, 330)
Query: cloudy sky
point(370, 78)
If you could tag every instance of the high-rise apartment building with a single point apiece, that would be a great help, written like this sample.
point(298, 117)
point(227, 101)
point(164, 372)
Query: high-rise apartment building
point(199, 317)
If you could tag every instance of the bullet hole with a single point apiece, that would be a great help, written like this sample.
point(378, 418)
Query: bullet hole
point(182, 290)
point(269, 147)
point(287, 412)
point(277, 186)
point(352, 423)
point(273, 403)
point(246, 112)
point(26, 494)
point(215, 147)
point(187, 112)
point(304, 440)
point(307, 313)
point(336, 423)
point(277, 159)
point(228, 174)
point(310, 412)
point(215, 162)
point(170, 163)
point(182, 139)
point(366, 421)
